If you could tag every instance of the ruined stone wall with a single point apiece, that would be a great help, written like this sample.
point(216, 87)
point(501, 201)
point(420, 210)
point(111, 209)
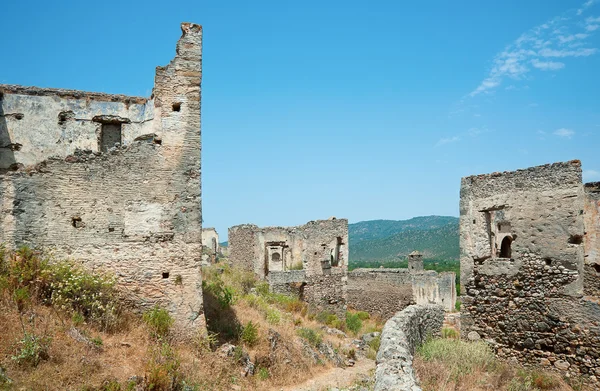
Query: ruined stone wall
point(528, 298)
point(210, 245)
point(327, 292)
point(242, 246)
point(430, 287)
point(133, 209)
point(591, 268)
point(318, 248)
point(210, 239)
point(381, 292)
point(401, 335)
point(385, 291)
point(290, 282)
point(39, 123)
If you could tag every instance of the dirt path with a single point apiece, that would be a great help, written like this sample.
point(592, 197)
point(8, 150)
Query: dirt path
point(335, 377)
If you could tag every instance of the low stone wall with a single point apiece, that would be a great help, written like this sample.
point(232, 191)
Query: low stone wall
point(327, 293)
point(401, 335)
point(289, 282)
point(381, 292)
point(385, 291)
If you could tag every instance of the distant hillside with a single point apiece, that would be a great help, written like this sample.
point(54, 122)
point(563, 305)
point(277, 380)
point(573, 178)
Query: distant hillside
point(224, 244)
point(384, 240)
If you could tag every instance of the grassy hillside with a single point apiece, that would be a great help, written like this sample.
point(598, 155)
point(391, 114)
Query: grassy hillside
point(387, 240)
point(64, 328)
point(380, 229)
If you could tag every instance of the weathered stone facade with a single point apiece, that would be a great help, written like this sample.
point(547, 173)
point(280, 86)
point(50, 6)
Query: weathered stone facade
point(112, 181)
point(401, 335)
point(210, 245)
point(311, 259)
point(524, 236)
point(383, 291)
point(591, 216)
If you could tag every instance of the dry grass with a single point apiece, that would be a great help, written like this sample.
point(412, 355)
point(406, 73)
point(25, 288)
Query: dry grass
point(134, 350)
point(454, 365)
point(126, 353)
point(71, 363)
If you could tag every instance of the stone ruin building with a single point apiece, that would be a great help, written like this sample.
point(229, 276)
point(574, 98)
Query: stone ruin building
point(385, 291)
point(112, 181)
point(530, 270)
point(210, 246)
point(309, 260)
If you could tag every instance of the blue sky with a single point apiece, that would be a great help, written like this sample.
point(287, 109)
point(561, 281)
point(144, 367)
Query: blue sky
point(356, 109)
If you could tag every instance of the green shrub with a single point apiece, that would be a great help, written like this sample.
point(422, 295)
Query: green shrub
point(373, 347)
point(33, 349)
point(273, 316)
point(97, 341)
point(249, 334)
point(162, 372)
point(92, 295)
point(457, 305)
point(448, 332)
point(77, 318)
point(205, 341)
point(311, 336)
point(224, 294)
point(353, 322)
point(362, 315)
point(263, 373)
point(25, 268)
point(528, 380)
point(375, 343)
point(159, 321)
point(242, 281)
point(21, 297)
point(5, 381)
point(330, 319)
point(69, 287)
point(262, 288)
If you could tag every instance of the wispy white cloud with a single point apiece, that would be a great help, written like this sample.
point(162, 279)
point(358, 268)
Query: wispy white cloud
point(531, 50)
point(564, 132)
point(477, 131)
point(572, 37)
point(591, 175)
point(447, 140)
point(580, 52)
point(547, 65)
point(541, 134)
point(592, 24)
point(585, 5)
point(470, 133)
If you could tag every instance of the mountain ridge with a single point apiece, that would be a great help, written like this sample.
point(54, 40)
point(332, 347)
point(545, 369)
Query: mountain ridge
point(436, 237)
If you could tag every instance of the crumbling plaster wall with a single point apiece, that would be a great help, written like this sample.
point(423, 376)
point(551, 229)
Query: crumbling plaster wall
point(38, 123)
point(529, 304)
point(429, 287)
point(134, 210)
point(311, 247)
